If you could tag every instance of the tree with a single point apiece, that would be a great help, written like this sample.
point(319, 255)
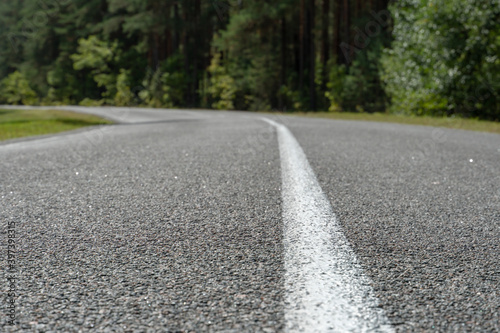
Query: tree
point(97, 57)
point(15, 89)
point(444, 59)
point(257, 55)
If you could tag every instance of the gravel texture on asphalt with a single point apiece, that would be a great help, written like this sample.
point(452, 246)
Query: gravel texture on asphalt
point(174, 226)
point(421, 208)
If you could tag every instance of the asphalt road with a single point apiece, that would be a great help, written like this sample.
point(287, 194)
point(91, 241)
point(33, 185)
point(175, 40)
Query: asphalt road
point(173, 221)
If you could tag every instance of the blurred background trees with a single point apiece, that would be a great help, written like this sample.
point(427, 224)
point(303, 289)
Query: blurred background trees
point(445, 58)
point(413, 56)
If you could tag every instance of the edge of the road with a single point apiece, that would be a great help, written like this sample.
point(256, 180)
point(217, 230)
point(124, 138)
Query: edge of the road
point(94, 110)
point(272, 115)
point(57, 134)
point(70, 108)
point(52, 135)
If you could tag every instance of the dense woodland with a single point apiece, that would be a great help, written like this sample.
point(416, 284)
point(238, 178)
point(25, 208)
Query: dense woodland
point(439, 57)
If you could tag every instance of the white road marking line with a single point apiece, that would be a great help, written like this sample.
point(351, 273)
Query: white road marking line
point(326, 289)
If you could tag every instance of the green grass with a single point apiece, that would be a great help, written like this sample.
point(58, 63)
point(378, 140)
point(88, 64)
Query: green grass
point(457, 123)
point(23, 123)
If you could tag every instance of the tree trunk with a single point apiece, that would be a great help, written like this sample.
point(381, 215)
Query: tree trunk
point(296, 43)
point(359, 8)
point(325, 45)
point(312, 55)
point(168, 34)
point(302, 44)
point(283, 60)
point(177, 38)
point(347, 30)
point(337, 9)
point(156, 44)
point(186, 35)
point(168, 44)
point(196, 30)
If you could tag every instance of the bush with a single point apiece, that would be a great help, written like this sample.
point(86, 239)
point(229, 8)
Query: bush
point(166, 86)
point(91, 102)
point(335, 86)
point(96, 55)
point(445, 58)
point(15, 89)
point(155, 93)
point(123, 95)
point(222, 86)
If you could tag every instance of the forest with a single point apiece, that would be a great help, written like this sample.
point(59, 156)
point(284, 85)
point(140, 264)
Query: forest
point(415, 57)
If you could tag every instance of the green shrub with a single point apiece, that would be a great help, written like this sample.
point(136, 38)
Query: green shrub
point(123, 95)
point(15, 89)
point(445, 58)
point(91, 102)
point(155, 93)
point(222, 86)
point(96, 55)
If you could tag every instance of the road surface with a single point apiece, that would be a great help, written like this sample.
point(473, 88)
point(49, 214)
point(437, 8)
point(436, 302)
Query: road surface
point(180, 221)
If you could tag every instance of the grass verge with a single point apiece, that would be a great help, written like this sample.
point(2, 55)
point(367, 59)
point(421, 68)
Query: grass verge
point(457, 123)
point(23, 123)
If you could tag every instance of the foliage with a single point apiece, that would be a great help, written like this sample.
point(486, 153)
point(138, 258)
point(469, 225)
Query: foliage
point(175, 80)
point(291, 98)
point(15, 89)
point(335, 92)
point(98, 57)
point(222, 86)
point(445, 58)
point(358, 87)
point(123, 95)
point(166, 86)
point(255, 55)
point(91, 102)
point(251, 66)
point(155, 92)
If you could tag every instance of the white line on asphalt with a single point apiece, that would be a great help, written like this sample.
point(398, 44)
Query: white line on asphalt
point(326, 289)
